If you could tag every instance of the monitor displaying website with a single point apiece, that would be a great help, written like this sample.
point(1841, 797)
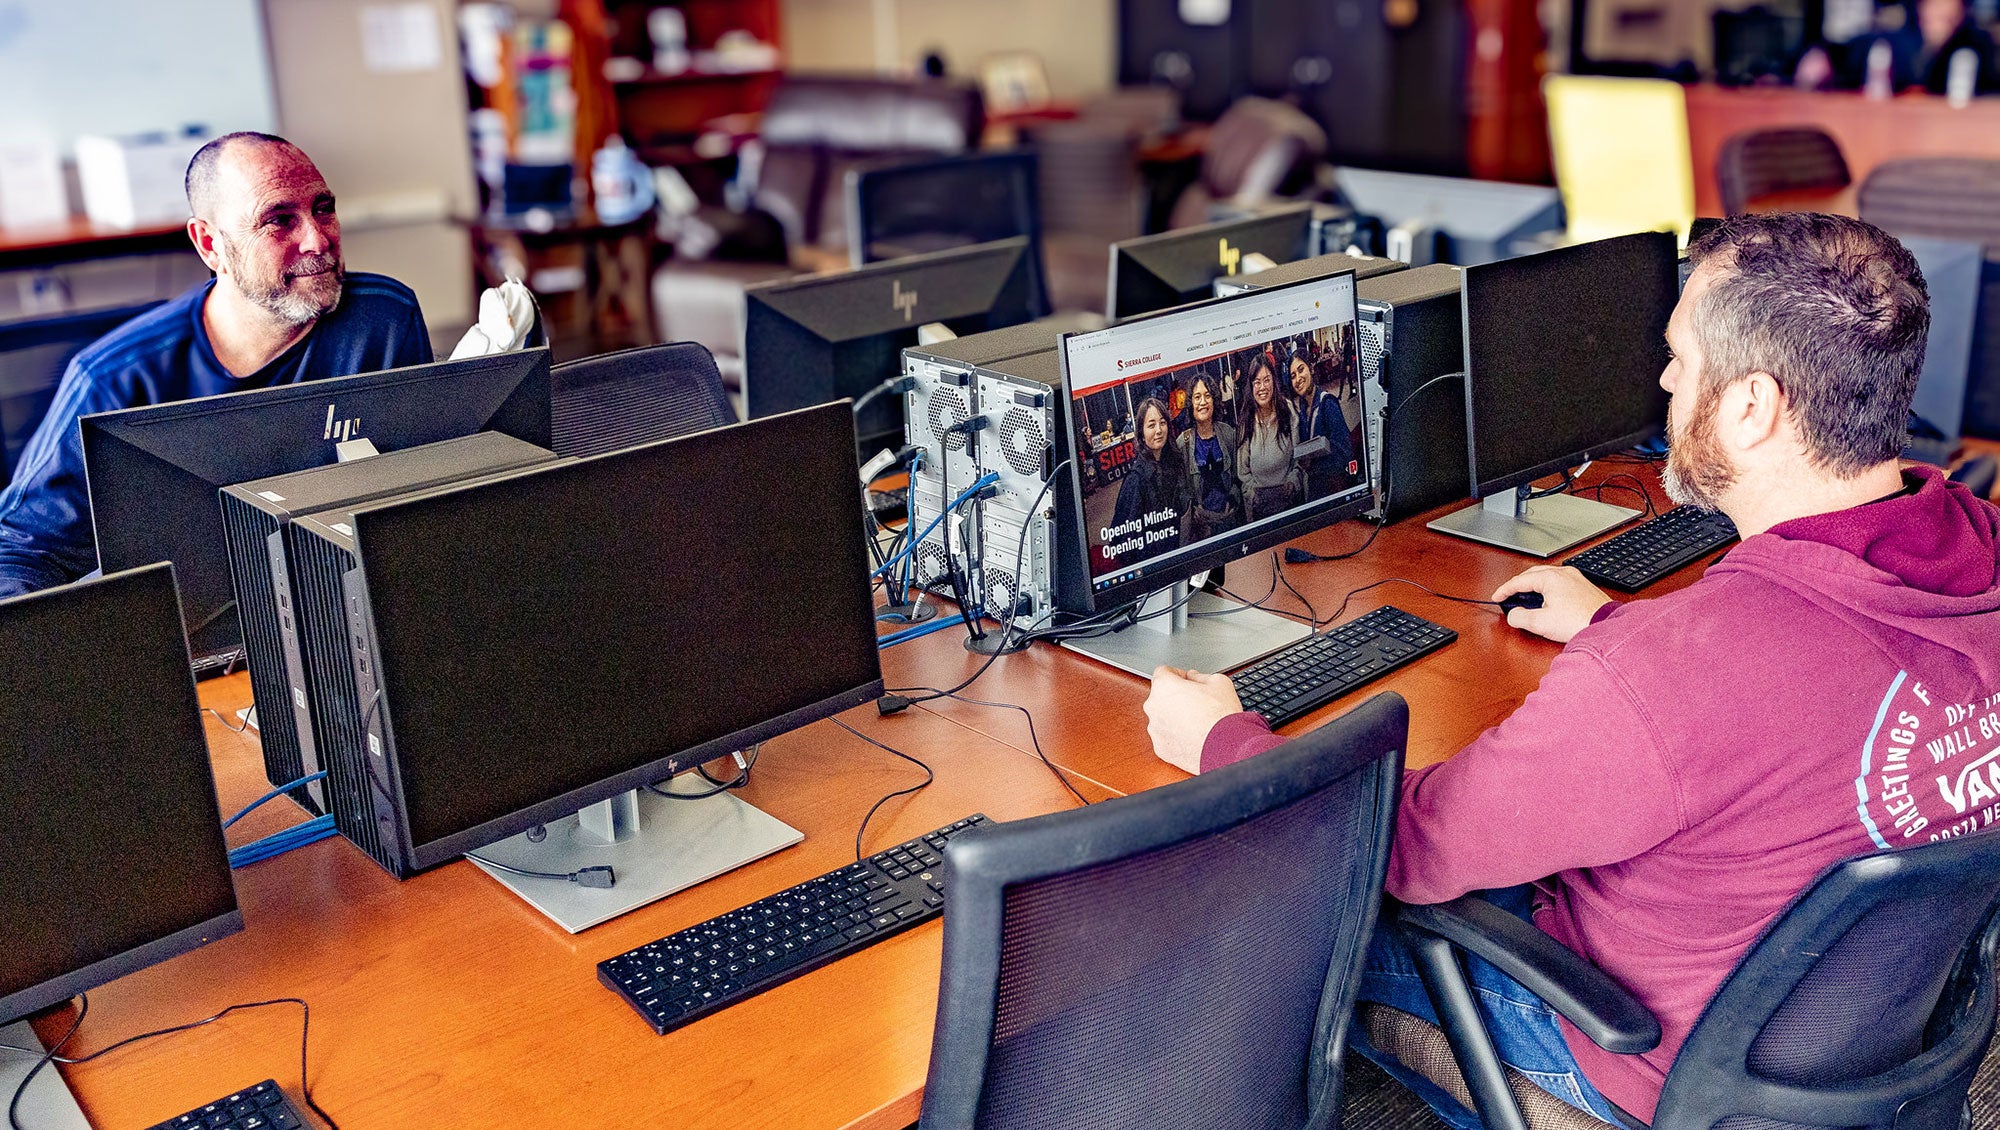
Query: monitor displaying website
point(1207, 427)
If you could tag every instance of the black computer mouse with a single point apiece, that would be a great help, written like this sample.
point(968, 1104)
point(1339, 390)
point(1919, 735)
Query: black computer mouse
point(1528, 599)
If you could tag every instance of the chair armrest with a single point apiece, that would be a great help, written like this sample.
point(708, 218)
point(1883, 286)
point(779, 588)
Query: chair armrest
point(1599, 1007)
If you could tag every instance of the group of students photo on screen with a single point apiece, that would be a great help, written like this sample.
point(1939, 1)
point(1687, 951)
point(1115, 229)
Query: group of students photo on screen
point(1176, 456)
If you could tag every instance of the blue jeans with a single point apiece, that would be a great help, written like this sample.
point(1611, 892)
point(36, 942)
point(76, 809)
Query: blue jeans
point(1524, 1029)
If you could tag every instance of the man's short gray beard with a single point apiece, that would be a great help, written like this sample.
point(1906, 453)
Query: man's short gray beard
point(279, 301)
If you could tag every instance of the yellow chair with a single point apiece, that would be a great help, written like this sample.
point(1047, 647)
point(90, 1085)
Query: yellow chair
point(1621, 155)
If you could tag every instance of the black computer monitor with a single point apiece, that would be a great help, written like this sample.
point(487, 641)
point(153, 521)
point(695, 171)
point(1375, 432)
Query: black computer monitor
point(813, 340)
point(108, 816)
point(916, 207)
point(1429, 219)
point(155, 472)
point(595, 604)
point(1136, 523)
point(1563, 355)
point(1154, 272)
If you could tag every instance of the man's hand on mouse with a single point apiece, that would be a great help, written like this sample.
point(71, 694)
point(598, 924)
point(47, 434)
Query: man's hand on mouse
point(1568, 601)
point(1182, 708)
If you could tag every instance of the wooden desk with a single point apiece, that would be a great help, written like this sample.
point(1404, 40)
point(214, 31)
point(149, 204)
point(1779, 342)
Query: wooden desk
point(1870, 132)
point(1089, 714)
point(446, 998)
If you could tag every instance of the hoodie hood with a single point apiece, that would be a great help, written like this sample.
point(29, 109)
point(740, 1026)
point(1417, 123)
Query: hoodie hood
point(1916, 572)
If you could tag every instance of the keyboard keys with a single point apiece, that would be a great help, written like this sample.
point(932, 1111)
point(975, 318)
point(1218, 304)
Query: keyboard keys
point(1651, 550)
point(1316, 670)
point(711, 965)
point(263, 1107)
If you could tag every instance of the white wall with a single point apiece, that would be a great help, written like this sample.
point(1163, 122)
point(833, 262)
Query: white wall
point(392, 146)
point(1077, 39)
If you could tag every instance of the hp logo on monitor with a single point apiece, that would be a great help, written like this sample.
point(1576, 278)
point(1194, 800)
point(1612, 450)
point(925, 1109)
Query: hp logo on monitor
point(341, 430)
point(902, 300)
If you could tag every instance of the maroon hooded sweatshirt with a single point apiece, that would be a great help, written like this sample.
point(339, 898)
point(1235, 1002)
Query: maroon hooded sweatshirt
point(1690, 763)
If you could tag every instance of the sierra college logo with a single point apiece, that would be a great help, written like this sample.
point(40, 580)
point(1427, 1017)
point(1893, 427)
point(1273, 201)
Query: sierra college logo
point(340, 431)
point(1228, 256)
point(902, 300)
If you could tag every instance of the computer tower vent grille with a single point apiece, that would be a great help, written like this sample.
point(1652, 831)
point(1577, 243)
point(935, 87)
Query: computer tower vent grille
point(317, 567)
point(948, 407)
point(1373, 344)
point(1002, 591)
point(1023, 442)
point(244, 530)
point(933, 567)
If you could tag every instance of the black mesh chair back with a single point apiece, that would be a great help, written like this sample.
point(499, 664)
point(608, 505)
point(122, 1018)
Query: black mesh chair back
point(912, 208)
point(1762, 162)
point(617, 400)
point(1183, 958)
point(1951, 198)
point(33, 356)
point(1868, 1004)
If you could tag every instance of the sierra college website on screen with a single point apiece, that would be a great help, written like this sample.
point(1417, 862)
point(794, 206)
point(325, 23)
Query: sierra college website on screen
point(1192, 426)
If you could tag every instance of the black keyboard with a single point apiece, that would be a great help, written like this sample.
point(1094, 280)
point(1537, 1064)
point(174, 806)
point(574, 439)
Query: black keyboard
point(262, 1107)
point(1314, 671)
point(687, 975)
point(1651, 550)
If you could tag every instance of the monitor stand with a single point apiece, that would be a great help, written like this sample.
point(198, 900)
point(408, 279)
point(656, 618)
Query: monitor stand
point(1541, 527)
point(654, 845)
point(1208, 633)
point(47, 1102)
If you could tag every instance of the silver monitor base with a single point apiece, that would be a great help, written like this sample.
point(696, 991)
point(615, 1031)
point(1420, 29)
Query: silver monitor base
point(1207, 634)
point(47, 1104)
point(1541, 527)
point(656, 846)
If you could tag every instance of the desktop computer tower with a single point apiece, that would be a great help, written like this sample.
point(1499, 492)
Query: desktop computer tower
point(253, 513)
point(317, 574)
point(1412, 334)
point(945, 393)
point(1022, 444)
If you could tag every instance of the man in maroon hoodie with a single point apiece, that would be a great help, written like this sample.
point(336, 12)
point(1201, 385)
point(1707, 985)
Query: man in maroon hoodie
point(1691, 762)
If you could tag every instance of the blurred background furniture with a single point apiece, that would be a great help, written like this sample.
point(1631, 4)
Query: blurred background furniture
point(1782, 170)
point(1955, 198)
point(1621, 155)
point(791, 179)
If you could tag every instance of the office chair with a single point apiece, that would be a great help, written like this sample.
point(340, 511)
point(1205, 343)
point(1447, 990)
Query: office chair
point(1868, 1003)
point(1621, 154)
point(1185, 957)
point(1769, 162)
point(1951, 198)
point(1978, 474)
point(617, 400)
point(909, 208)
point(33, 357)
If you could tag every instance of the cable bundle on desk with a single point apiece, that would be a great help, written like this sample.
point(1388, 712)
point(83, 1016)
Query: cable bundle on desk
point(278, 843)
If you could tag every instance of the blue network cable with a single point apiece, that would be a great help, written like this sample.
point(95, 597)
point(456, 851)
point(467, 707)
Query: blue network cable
point(277, 843)
point(979, 484)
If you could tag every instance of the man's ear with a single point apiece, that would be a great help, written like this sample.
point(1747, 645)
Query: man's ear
point(1754, 410)
point(202, 234)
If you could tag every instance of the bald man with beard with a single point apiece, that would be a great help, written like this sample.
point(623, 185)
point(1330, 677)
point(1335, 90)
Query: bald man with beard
point(281, 309)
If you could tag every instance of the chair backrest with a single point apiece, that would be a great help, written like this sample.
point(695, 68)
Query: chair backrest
point(1951, 198)
point(1762, 162)
point(1257, 151)
point(1978, 474)
point(1869, 1003)
point(910, 208)
point(616, 400)
point(33, 357)
point(1090, 178)
point(1622, 160)
point(1185, 957)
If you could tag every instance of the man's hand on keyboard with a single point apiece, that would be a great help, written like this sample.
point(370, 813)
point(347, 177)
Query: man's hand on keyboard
point(1182, 708)
point(1568, 601)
